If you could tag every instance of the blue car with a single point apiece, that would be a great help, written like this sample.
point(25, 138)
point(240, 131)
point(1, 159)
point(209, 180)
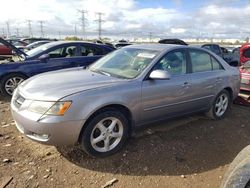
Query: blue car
point(48, 57)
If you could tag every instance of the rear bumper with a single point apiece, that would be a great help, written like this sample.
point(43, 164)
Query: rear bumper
point(245, 87)
point(49, 130)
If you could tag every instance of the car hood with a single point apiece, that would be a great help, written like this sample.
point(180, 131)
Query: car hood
point(55, 85)
point(16, 50)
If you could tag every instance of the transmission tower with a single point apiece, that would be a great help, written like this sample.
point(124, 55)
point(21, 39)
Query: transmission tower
point(150, 36)
point(42, 28)
point(100, 21)
point(17, 32)
point(3, 32)
point(8, 29)
point(83, 22)
point(30, 28)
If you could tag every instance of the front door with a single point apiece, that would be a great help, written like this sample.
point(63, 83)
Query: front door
point(167, 98)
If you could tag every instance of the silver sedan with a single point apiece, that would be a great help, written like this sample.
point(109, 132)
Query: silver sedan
point(98, 106)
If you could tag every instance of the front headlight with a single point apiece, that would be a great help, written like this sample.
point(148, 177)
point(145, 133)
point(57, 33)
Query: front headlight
point(49, 108)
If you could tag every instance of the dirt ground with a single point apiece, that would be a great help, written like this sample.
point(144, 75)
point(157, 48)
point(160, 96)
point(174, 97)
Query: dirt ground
point(189, 152)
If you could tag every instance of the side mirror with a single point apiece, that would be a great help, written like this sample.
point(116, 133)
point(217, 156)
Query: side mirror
point(44, 57)
point(159, 75)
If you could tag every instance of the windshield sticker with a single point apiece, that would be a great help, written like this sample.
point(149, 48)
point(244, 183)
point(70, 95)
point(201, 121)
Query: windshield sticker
point(146, 55)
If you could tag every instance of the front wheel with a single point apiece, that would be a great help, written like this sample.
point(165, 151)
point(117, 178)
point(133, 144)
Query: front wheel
point(10, 82)
point(105, 134)
point(220, 105)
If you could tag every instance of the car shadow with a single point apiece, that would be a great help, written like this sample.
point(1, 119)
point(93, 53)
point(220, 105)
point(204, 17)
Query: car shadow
point(5, 98)
point(188, 145)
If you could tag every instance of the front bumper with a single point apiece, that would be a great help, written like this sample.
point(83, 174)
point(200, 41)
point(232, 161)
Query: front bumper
point(51, 130)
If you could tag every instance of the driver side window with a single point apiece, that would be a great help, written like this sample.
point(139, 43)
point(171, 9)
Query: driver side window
point(174, 62)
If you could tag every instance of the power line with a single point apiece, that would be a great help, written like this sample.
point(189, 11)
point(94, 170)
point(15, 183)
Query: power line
point(30, 28)
point(83, 22)
point(42, 28)
point(100, 21)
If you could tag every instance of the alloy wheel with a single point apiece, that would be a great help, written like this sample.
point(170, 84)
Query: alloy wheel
point(106, 134)
point(12, 83)
point(221, 105)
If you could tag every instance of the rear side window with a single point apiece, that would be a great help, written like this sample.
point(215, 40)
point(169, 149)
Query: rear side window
point(87, 50)
point(202, 61)
point(246, 53)
point(215, 64)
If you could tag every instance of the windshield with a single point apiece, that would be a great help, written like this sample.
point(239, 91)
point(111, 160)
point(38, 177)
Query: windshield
point(38, 50)
point(125, 63)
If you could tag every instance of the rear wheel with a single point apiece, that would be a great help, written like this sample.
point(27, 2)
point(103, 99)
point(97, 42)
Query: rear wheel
point(10, 82)
point(105, 134)
point(220, 105)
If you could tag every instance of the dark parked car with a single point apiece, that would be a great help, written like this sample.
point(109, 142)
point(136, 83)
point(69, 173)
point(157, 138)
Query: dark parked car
point(121, 44)
point(172, 41)
point(48, 57)
point(231, 58)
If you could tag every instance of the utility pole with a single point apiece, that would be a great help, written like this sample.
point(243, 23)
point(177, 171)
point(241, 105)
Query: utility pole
point(30, 28)
point(3, 32)
point(8, 29)
point(83, 22)
point(99, 20)
point(42, 28)
point(59, 33)
point(75, 31)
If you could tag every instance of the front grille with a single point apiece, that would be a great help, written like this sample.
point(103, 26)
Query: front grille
point(18, 101)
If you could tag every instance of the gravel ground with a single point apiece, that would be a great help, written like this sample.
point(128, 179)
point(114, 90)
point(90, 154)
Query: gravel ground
point(189, 152)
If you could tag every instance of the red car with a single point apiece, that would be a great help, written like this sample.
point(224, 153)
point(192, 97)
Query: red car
point(244, 53)
point(4, 50)
point(245, 76)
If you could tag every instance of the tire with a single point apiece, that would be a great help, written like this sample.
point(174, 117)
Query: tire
point(10, 82)
point(105, 134)
point(238, 173)
point(220, 105)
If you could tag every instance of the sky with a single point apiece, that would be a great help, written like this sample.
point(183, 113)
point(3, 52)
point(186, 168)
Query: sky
point(129, 18)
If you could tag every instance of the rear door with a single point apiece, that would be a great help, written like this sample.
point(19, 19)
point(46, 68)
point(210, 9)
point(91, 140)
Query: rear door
point(206, 78)
point(91, 53)
point(165, 98)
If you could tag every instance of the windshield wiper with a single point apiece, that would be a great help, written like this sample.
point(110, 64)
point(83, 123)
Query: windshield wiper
point(100, 72)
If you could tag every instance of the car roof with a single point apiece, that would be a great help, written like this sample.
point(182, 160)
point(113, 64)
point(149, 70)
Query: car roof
point(55, 43)
point(158, 47)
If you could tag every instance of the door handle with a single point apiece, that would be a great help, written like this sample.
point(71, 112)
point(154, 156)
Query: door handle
point(185, 84)
point(218, 80)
